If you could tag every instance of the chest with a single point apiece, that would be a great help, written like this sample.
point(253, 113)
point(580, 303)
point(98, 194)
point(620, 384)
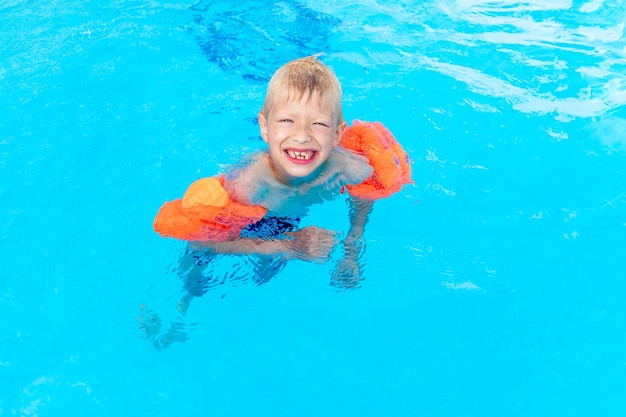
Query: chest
point(282, 200)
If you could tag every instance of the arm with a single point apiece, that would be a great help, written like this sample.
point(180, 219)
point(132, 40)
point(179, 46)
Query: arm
point(360, 210)
point(347, 272)
point(309, 244)
point(244, 246)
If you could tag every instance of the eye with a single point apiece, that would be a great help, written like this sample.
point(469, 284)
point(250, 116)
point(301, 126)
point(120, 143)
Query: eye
point(285, 121)
point(321, 124)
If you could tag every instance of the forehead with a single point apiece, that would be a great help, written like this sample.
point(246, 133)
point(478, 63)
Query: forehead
point(311, 107)
point(292, 96)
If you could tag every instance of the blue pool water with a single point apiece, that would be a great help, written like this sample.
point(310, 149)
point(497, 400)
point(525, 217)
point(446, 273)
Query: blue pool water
point(494, 285)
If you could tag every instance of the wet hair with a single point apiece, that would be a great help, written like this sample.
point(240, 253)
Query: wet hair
point(300, 77)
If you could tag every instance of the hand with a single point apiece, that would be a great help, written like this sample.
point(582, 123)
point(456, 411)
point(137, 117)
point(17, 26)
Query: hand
point(347, 272)
point(311, 243)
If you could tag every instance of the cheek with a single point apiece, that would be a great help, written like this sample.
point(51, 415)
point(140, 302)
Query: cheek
point(332, 141)
point(275, 148)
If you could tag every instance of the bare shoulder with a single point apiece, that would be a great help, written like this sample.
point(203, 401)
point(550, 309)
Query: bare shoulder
point(356, 168)
point(243, 179)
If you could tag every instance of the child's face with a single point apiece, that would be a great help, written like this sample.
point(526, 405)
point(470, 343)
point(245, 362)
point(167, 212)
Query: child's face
point(301, 136)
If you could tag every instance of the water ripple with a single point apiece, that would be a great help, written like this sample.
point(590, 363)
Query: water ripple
point(540, 57)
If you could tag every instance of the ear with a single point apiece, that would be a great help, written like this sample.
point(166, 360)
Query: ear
point(339, 132)
point(263, 126)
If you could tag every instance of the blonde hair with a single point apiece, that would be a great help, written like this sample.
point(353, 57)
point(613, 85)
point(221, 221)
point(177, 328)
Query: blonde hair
point(299, 77)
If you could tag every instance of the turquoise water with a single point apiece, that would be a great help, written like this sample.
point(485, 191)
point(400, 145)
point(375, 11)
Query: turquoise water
point(493, 286)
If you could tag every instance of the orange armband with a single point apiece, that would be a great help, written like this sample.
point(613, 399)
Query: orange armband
point(205, 212)
point(392, 167)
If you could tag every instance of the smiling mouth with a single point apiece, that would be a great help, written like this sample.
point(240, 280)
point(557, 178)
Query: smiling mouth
point(300, 155)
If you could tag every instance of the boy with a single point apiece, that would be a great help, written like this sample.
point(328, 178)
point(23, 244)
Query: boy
point(256, 207)
point(302, 123)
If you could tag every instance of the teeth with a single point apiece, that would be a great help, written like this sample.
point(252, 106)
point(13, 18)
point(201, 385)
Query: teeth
point(302, 155)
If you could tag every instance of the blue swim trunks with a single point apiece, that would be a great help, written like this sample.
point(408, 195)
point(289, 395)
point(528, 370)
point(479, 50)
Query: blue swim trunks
point(270, 227)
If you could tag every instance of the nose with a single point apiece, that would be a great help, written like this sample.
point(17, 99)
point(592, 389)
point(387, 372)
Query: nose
point(303, 134)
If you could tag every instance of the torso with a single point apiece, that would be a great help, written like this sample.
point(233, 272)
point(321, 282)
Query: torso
point(255, 184)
